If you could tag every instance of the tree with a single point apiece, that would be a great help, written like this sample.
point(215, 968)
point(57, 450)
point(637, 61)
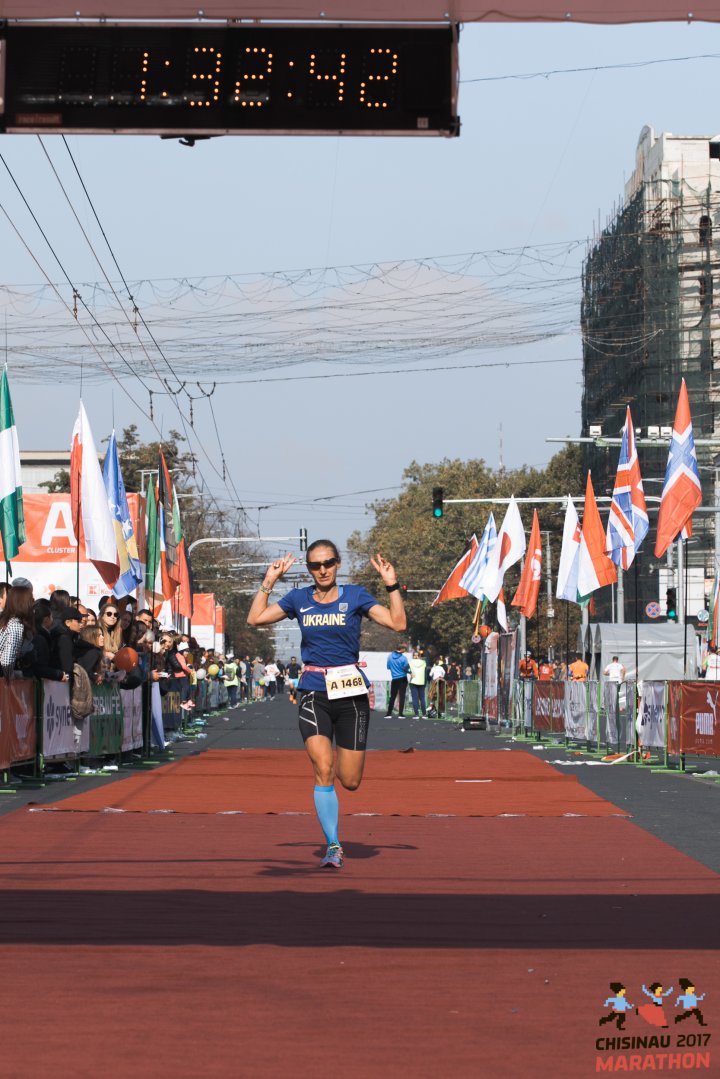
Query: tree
point(425, 550)
point(59, 484)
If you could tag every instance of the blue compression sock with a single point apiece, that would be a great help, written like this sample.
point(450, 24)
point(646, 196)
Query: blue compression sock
point(328, 810)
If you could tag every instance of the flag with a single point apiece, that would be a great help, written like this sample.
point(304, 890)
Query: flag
point(451, 589)
point(129, 561)
point(595, 569)
point(526, 596)
point(12, 519)
point(183, 596)
point(628, 520)
point(569, 555)
point(714, 612)
point(508, 550)
point(154, 596)
point(168, 541)
point(502, 610)
point(88, 498)
point(470, 579)
point(681, 494)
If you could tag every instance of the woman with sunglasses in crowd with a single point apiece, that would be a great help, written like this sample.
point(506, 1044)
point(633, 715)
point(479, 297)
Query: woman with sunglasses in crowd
point(109, 623)
point(334, 701)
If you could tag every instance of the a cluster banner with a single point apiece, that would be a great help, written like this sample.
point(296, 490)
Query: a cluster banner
point(18, 731)
point(49, 556)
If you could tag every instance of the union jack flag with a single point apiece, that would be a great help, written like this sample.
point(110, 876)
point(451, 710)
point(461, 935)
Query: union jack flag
point(628, 521)
point(682, 493)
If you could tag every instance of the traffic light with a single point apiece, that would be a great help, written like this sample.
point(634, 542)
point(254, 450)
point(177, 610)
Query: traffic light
point(303, 539)
point(671, 601)
point(437, 496)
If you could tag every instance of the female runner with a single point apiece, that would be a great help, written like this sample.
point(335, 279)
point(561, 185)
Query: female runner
point(333, 691)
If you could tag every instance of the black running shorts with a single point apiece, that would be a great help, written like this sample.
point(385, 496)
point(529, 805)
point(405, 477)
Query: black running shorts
point(346, 719)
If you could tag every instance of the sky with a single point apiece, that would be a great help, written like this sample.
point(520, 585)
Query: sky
point(539, 165)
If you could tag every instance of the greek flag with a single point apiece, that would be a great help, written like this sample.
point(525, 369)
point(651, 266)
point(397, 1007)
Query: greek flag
point(472, 576)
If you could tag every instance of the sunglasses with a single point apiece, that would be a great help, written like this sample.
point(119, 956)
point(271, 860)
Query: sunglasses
point(111, 614)
point(327, 564)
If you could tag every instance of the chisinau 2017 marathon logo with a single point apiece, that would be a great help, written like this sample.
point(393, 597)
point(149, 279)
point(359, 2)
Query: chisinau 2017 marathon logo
point(656, 1028)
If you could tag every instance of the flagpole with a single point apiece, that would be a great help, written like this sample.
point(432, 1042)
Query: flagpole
point(637, 647)
point(567, 640)
point(684, 607)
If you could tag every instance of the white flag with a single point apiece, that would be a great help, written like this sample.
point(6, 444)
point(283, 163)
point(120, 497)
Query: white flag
point(569, 555)
point(508, 550)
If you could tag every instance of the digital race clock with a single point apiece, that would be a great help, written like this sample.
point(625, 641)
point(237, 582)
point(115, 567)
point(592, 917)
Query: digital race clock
point(242, 80)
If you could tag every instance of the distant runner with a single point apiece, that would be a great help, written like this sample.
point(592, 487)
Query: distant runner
point(334, 698)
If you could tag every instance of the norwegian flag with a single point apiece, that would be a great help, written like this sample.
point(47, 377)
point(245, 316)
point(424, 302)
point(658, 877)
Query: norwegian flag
point(681, 493)
point(628, 521)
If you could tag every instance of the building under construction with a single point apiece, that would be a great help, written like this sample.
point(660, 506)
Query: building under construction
point(648, 320)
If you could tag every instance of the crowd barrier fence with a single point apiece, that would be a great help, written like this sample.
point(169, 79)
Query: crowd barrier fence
point(37, 727)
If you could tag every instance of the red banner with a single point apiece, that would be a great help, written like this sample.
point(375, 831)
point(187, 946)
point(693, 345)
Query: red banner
point(18, 725)
point(694, 718)
point(548, 707)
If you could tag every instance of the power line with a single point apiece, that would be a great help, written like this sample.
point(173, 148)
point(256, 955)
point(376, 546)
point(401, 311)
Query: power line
point(596, 67)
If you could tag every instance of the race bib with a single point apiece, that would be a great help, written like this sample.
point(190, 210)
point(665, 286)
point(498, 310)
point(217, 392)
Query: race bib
point(344, 682)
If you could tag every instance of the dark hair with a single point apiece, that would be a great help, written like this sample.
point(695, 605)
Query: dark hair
point(4, 586)
point(41, 610)
point(323, 543)
point(654, 986)
point(19, 605)
point(91, 634)
point(685, 983)
point(59, 600)
point(616, 986)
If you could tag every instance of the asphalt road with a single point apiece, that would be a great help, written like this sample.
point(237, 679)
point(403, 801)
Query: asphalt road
point(681, 810)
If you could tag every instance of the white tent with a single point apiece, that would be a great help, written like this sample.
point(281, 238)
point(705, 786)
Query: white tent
point(661, 649)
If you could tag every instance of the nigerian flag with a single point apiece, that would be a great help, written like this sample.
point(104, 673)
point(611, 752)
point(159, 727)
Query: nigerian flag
point(12, 519)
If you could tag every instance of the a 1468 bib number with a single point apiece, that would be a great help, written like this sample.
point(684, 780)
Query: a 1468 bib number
point(344, 682)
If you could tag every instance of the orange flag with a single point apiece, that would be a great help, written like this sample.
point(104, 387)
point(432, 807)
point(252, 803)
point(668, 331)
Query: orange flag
point(451, 589)
point(526, 596)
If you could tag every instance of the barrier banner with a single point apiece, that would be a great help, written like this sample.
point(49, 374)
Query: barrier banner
point(18, 734)
point(576, 717)
point(58, 737)
point(171, 714)
point(651, 715)
point(106, 721)
point(611, 710)
point(694, 718)
point(507, 648)
point(490, 687)
point(548, 707)
point(131, 703)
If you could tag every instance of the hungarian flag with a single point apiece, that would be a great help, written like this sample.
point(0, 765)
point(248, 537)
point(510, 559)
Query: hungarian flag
point(569, 555)
point(154, 593)
point(508, 550)
point(92, 519)
point(526, 596)
point(451, 589)
point(166, 512)
point(681, 494)
point(595, 569)
point(12, 519)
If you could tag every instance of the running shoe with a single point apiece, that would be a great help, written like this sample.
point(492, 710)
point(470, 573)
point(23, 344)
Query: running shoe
point(333, 857)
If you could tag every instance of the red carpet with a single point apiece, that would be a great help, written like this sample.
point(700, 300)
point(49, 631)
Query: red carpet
point(466, 784)
point(193, 945)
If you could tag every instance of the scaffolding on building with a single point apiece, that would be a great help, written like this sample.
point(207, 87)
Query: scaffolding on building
point(648, 320)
